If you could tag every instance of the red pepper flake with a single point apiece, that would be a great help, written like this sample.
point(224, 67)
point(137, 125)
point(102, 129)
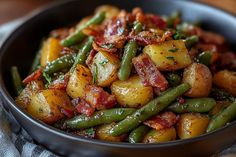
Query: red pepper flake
point(34, 76)
point(181, 100)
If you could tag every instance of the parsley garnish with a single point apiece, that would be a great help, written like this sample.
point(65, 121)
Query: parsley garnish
point(95, 73)
point(104, 62)
point(173, 49)
point(170, 58)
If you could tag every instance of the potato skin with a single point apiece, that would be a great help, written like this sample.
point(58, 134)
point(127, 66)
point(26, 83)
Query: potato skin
point(226, 80)
point(46, 105)
point(107, 66)
point(163, 135)
point(50, 51)
point(191, 125)
point(102, 133)
point(23, 100)
point(200, 79)
point(169, 55)
point(78, 80)
point(132, 93)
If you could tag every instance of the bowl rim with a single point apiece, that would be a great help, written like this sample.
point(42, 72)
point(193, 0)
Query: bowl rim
point(13, 106)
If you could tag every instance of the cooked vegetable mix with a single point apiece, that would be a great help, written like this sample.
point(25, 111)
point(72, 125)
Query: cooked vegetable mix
point(131, 77)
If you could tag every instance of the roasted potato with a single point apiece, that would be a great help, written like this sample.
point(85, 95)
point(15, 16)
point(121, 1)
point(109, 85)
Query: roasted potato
point(46, 105)
point(50, 50)
point(169, 55)
point(102, 133)
point(78, 80)
point(163, 135)
point(105, 66)
point(23, 100)
point(192, 125)
point(132, 93)
point(200, 79)
point(111, 11)
point(226, 80)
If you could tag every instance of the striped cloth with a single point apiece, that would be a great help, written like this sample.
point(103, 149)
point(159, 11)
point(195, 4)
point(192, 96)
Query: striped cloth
point(15, 141)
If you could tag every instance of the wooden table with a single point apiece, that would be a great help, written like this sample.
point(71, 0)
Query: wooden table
point(12, 9)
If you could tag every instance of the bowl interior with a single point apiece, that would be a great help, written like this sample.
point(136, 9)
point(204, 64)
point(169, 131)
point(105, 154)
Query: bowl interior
point(20, 48)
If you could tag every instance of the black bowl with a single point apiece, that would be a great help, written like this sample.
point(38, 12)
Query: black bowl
point(20, 47)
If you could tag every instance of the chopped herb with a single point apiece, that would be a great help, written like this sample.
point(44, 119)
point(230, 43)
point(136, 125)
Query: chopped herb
point(40, 110)
point(47, 77)
point(170, 58)
point(173, 49)
point(108, 46)
point(90, 131)
point(104, 62)
point(95, 73)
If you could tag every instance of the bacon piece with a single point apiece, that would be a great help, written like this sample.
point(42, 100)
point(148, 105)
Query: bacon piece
point(155, 21)
point(210, 37)
point(67, 112)
point(98, 98)
point(60, 83)
point(90, 57)
point(163, 121)
point(34, 76)
point(147, 37)
point(227, 60)
point(85, 108)
point(148, 72)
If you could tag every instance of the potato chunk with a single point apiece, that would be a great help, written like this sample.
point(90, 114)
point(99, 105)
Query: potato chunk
point(132, 93)
point(226, 80)
point(191, 125)
point(200, 79)
point(50, 50)
point(102, 133)
point(46, 105)
point(105, 66)
point(78, 80)
point(169, 55)
point(164, 135)
point(23, 100)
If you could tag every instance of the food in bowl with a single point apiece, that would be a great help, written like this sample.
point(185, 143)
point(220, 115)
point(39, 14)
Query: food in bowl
point(136, 77)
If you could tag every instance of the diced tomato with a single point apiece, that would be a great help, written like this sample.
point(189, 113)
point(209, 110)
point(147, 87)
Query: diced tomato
point(34, 76)
point(148, 72)
point(98, 98)
point(85, 108)
point(163, 121)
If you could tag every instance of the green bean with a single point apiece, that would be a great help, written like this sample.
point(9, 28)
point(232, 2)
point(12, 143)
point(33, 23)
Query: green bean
point(36, 62)
point(205, 57)
point(138, 27)
point(63, 62)
point(16, 80)
point(152, 108)
point(175, 15)
point(129, 53)
point(222, 118)
point(78, 35)
point(190, 41)
point(173, 79)
point(220, 94)
point(82, 55)
point(126, 63)
point(137, 135)
point(99, 117)
point(200, 105)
